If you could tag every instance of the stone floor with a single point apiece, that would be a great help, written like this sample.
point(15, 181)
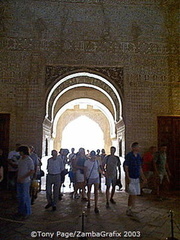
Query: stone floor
point(151, 222)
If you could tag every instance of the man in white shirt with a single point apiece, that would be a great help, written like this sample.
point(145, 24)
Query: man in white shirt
point(25, 171)
point(54, 168)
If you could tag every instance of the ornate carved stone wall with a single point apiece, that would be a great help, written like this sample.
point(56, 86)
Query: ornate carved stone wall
point(83, 92)
point(113, 74)
point(140, 37)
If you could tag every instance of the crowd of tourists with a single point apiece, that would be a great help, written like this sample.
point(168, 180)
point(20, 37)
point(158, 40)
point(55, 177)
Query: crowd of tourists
point(85, 169)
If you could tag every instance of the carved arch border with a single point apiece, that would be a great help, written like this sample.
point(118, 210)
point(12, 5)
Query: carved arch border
point(61, 78)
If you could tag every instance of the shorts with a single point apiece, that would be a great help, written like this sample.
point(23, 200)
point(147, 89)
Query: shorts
point(162, 177)
point(134, 187)
point(110, 181)
point(79, 176)
point(93, 181)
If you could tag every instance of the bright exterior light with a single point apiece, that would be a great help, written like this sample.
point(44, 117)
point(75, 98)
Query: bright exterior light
point(82, 132)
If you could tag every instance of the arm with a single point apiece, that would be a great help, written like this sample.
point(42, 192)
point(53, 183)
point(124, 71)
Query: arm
point(119, 168)
point(74, 163)
point(104, 165)
point(35, 168)
point(13, 164)
point(167, 169)
point(61, 165)
point(154, 164)
point(1, 173)
point(21, 179)
point(155, 168)
point(78, 167)
point(100, 169)
point(142, 175)
point(127, 178)
point(85, 173)
point(47, 165)
point(126, 168)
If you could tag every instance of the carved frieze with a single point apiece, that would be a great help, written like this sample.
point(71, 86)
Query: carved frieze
point(113, 74)
point(126, 2)
point(90, 46)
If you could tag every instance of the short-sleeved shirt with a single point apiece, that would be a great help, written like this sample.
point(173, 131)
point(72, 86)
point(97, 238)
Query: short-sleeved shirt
point(134, 164)
point(55, 166)
point(147, 162)
point(92, 168)
point(160, 159)
point(112, 162)
point(24, 166)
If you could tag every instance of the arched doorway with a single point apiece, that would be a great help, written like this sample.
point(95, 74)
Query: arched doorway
point(84, 86)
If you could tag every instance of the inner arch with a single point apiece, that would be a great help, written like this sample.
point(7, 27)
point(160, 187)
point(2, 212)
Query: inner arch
point(87, 101)
point(83, 85)
point(51, 102)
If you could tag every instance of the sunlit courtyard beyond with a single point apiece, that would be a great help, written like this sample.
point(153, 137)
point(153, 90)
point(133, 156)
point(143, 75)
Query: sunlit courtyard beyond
point(83, 132)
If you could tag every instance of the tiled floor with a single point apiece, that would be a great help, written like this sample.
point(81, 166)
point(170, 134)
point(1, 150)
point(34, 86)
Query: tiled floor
point(151, 221)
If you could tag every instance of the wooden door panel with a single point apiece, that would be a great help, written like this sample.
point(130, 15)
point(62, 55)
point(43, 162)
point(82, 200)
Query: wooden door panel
point(169, 133)
point(4, 132)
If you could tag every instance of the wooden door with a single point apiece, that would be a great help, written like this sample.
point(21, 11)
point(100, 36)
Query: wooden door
point(4, 133)
point(169, 133)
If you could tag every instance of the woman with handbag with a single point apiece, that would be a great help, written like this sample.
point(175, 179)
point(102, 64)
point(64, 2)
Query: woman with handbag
point(92, 170)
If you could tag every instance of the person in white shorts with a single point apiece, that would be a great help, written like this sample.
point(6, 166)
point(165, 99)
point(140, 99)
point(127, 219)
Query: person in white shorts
point(133, 171)
point(110, 165)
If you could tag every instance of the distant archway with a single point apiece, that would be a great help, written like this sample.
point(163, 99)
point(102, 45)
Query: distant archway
point(86, 101)
point(83, 132)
